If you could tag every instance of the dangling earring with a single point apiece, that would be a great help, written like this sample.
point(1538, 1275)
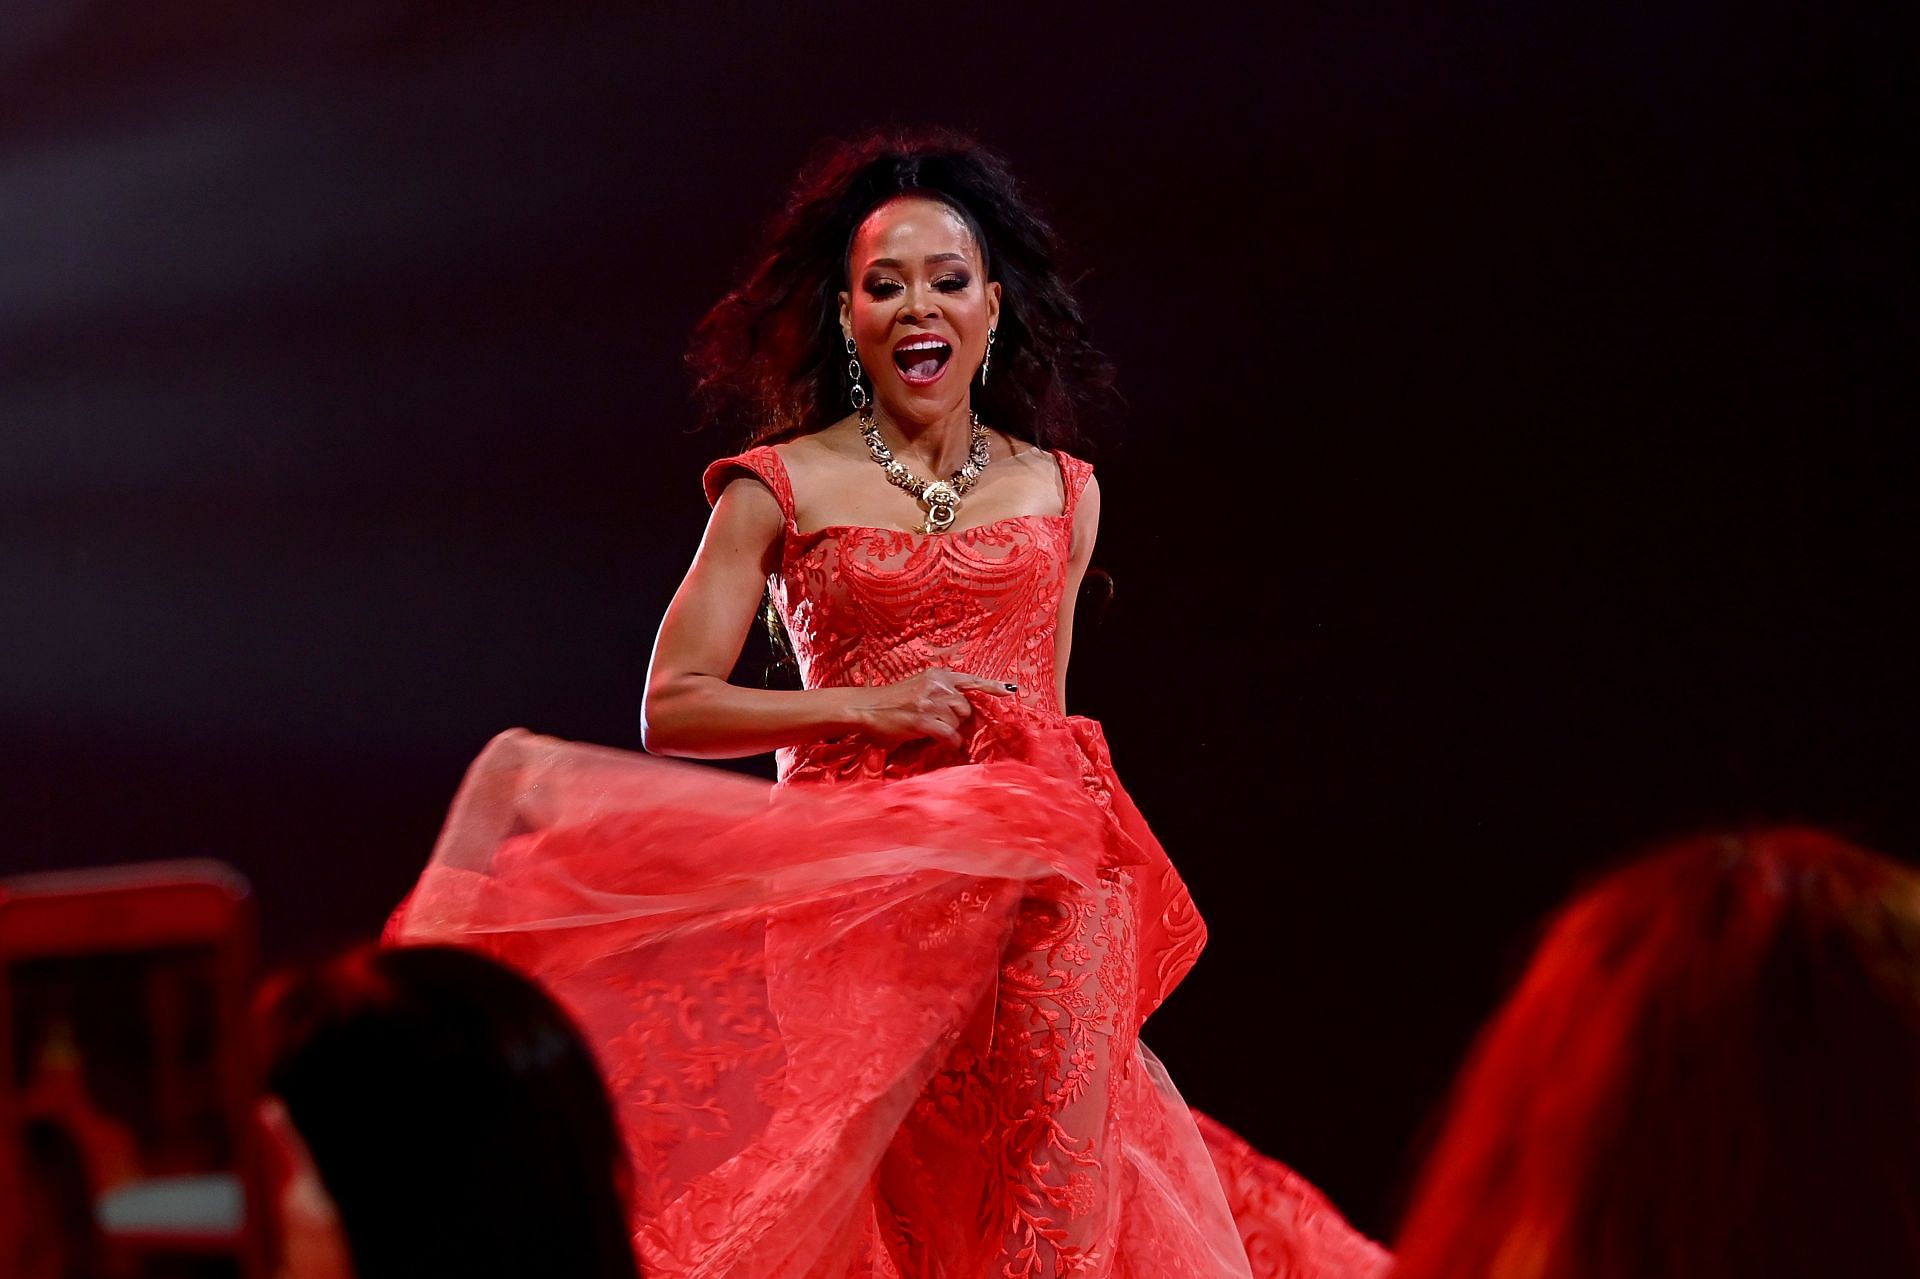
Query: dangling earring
point(858, 393)
point(987, 360)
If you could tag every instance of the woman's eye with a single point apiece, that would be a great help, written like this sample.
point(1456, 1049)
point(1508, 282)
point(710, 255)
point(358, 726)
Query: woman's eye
point(953, 284)
point(883, 288)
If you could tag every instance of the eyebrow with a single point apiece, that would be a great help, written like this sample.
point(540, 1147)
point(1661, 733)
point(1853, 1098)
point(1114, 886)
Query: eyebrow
point(896, 263)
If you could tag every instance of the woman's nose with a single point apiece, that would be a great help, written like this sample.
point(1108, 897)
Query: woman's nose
point(915, 304)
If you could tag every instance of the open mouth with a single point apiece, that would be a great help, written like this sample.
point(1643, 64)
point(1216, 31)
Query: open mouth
point(922, 360)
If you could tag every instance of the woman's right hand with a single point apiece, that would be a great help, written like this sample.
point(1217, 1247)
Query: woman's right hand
point(933, 704)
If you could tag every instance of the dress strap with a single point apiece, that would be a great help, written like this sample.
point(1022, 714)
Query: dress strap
point(1074, 473)
point(763, 464)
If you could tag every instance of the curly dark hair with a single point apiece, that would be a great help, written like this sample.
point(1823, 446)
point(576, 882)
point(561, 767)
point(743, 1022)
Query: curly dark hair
point(768, 356)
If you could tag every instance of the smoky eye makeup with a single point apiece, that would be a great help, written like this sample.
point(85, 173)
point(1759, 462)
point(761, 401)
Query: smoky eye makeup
point(881, 286)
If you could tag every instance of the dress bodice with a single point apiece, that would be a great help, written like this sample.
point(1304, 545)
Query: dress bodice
point(865, 606)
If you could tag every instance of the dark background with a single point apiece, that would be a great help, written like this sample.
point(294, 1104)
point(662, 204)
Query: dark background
point(1509, 479)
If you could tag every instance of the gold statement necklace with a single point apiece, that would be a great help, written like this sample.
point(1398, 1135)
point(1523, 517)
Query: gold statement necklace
point(940, 497)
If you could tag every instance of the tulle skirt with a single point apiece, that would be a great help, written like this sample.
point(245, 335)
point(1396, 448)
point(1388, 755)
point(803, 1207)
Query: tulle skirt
point(874, 1028)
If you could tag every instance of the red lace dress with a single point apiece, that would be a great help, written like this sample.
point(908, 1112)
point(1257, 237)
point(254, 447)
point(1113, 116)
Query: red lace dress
point(884, 1019)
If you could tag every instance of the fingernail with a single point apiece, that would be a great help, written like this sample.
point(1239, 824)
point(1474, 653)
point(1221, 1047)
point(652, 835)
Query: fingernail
point(1013, 688)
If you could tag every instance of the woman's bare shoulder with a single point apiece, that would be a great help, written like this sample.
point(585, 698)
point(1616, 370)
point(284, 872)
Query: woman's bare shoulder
point(1044, 465)
point(829, 446)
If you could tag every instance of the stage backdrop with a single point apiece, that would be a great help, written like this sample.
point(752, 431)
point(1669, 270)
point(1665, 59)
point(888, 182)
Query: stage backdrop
point(1508, 477)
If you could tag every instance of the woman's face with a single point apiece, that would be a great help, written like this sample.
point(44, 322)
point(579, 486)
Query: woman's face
point(918, 307)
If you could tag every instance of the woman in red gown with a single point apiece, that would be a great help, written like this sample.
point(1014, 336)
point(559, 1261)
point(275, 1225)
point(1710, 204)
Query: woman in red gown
point(884, 1020)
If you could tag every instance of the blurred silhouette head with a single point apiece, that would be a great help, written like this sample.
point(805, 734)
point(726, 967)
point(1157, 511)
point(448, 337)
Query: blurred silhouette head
point(1711, 1068)
point(454, 1115)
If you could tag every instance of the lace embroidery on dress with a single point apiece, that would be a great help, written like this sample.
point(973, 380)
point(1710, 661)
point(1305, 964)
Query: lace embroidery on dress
point(883, 1019)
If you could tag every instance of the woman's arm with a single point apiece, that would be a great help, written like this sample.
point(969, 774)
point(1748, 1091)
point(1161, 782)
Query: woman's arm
point(1086, 529)
point(690, 709)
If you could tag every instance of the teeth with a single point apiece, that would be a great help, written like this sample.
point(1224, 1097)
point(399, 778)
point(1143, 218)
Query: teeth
point(924, 344)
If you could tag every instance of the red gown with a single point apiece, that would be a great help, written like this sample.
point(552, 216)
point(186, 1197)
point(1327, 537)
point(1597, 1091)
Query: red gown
point(882, 1020)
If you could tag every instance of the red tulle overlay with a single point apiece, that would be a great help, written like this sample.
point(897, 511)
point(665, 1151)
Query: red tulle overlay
point(883, 1018)
point(875, 1028)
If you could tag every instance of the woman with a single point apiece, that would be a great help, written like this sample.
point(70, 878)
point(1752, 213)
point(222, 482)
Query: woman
point(887, 1024)
point(1709, 1069)
point(435, 1114)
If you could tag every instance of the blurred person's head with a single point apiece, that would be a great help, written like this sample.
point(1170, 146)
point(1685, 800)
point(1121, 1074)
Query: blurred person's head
point(454, 1117)
point(1711, 1068)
